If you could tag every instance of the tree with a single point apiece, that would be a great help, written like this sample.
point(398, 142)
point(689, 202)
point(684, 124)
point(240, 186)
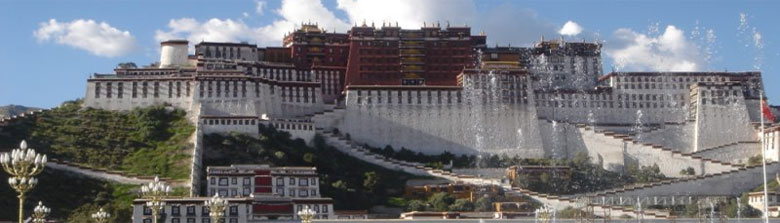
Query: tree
point(416, 205)
point(309, 157)
point(484, 204)
point(441, 201)
point(688, 171)
point(370, 180)
point(462, 205)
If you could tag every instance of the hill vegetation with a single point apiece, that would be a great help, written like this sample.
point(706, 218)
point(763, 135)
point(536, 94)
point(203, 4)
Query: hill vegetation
point(145, 141)
point(70, 197)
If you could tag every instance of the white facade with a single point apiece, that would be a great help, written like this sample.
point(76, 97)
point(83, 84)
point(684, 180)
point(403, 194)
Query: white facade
point(192, 210)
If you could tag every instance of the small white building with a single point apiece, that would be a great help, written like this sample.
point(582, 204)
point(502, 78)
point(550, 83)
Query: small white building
point(263, 180)
point(756, 200)
point(772, 142)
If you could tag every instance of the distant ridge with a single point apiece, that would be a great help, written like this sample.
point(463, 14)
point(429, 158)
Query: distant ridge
point(11, 110)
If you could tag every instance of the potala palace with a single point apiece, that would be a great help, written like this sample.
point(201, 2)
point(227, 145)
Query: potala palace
point(441, 88)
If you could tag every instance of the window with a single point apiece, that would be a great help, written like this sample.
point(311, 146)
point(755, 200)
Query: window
point(204, 211)
point(247, 181)
point(292, 181)
point(246, 191)
point(135, 90)
point(156, 89)
point(313, 192)
point(121, 90)
point(205, 220)
point(233, 210)
point(234, 181)
point(292, 192)
point(303, 193)
point(233, 192)
point(97, 90)
point(213, 181)
point(313, 181)
point(233, 220)
point(223, 181)
point(147, 220)
point(175, 210)
point(144, 88)
point(147, 211)
point(191, 211)
point(280, 191)
point(324, 208)
point(175, 220)
point(303, 182)
point(190, 220)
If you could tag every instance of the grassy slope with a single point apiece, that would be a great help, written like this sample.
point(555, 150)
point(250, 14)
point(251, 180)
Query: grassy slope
point(148, 141)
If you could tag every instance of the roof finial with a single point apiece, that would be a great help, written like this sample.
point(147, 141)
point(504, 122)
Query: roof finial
point(424, 24)
point(541, 39)
point(364, 22)
point(448, 24)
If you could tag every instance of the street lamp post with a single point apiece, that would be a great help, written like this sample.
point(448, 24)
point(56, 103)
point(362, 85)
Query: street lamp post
point(155, 192)
point(40, 212)
point(306, 215)
point(101, 216)
point(22, 164)
point(217, 207)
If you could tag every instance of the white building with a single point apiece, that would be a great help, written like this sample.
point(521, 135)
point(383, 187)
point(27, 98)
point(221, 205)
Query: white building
point(276, 192)
point(192, 210)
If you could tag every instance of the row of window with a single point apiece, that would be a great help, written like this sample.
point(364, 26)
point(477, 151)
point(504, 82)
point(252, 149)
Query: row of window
point(399, 100)
point(293, 126)
point(190, 210)
point(173, 91)
point(671, 79)
point(194, 220)
point(292, 180)
point(223, 181)
point(229, 122)
point(605, 104)
point(292, 192)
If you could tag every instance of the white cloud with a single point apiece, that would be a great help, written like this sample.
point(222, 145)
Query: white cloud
point(260, 7)
point(100, 39)
point(215, 30)
point(570, 29)
point(668, 51)
point(505, 23)
point(409, 13)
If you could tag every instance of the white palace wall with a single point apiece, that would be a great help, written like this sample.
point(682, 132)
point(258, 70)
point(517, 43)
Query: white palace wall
point(126, 94)
point(439, 120)
point(721, 119)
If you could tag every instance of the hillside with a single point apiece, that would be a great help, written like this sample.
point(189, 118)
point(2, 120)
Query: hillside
point(11, 110)
point(352, 183)
point(147, 141)
point(69, 197)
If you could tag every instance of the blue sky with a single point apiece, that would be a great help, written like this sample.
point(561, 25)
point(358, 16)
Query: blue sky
point(45, 62)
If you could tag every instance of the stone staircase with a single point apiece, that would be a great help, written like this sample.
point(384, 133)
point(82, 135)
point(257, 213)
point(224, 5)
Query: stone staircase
point(710, 165)
point(107, 175)
point(353, 149)
point(739, 151)
point(738, 181)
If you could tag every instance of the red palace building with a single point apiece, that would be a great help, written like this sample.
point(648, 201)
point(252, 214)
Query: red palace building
point(388, 55)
